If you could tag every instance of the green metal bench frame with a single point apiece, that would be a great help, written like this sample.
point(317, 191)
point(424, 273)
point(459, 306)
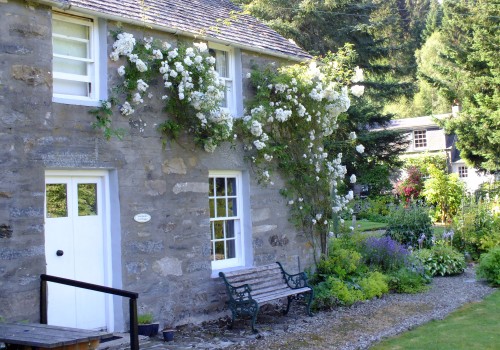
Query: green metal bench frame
point(246, 297)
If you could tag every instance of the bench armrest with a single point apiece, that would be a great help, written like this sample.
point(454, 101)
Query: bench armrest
point(239, 293)
point(296, 281)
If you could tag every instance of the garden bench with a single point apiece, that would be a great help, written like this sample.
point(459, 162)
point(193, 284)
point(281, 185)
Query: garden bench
point(249, 288)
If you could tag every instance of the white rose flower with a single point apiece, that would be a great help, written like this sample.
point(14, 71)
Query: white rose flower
point(157, 54)
point(360, 148)
point(353, 179)
point(357, 90)
point(141, 66)
point(352, 136)
point(126, 109)
point(121, 71)
point(114, 56)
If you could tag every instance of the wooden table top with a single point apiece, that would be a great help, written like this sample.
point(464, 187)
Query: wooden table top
point(45, 336)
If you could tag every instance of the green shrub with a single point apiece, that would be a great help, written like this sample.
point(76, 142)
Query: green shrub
point(374, 284)
point(441, 260)
point(376, 208)
point(477, 229)
point(342, 263)
point(406, 280)
point(334, 291)
point(145, 318)
point(489, 266)
point(409, 224)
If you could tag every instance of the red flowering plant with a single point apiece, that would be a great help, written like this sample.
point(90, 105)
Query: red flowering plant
point(411, 187)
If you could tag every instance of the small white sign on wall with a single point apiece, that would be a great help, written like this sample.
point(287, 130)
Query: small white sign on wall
point(142, 217)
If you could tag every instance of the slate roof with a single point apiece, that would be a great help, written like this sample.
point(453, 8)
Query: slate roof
point(197, 18)
point(414, 123)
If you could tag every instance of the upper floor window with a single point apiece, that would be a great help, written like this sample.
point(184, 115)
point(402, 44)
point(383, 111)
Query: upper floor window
point(419, 139)
point(225, 66)
point(75, 58)
point(225, 219)
point(462, 171)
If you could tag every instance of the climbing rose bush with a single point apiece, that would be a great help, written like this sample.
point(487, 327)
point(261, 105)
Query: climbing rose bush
point(294, 112)
point(192, 89)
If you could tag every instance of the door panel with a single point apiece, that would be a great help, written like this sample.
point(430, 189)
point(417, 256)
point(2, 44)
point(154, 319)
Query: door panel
point(74, 249)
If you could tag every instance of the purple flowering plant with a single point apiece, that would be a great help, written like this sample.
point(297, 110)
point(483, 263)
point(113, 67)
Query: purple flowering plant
point(384, 253)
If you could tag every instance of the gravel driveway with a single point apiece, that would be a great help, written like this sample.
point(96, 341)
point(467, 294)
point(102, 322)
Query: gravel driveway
point(346, 328)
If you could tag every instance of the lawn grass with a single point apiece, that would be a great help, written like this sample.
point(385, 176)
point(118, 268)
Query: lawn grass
point(473, 326)
point(365, 225)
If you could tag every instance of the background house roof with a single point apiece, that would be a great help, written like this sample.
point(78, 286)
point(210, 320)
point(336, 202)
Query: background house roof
point(198, 18)
point(414, 123)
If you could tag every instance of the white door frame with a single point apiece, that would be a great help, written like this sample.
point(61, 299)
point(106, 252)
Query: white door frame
point(108, 271)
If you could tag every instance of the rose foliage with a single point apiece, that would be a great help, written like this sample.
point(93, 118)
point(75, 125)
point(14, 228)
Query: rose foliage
point(294, 112)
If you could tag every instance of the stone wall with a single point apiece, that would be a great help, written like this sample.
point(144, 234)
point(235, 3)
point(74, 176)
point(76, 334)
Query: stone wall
point(25, 111)
point(166, 260)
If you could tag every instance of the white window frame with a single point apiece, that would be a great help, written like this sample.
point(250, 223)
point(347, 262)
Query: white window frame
point(239, 258)
point(92, 61)
point(463, 171)
point(231, 63)
point(418, 139)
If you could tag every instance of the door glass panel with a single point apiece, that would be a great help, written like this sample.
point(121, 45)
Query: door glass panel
point(87, 199)
point(57, 204)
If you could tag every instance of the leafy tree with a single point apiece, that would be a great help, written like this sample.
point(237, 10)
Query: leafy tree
point(472, 75)
point(445, 191)
point(384, 34)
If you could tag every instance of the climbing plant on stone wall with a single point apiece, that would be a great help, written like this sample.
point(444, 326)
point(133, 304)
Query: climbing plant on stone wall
point(291, 118)
point(293, 114)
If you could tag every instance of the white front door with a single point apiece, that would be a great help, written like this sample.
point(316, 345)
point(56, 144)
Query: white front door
point(75, 241)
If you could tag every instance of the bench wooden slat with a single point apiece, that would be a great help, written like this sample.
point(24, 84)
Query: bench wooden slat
point(266, 283)
point(279, 294)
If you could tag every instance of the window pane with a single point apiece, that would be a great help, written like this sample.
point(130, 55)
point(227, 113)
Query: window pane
point(220, 185)
point(211, 187)
point(231, 186)
point(218, 229)
point(70, 48)
point(221, 208)
point(70, 29)
point(230, 229)
point(219, 251)
point(230, 249)
point(87, 199)
point(75, 88)
point(212, 207)
point(56, 196)
point(63, 65)
point(232, 207)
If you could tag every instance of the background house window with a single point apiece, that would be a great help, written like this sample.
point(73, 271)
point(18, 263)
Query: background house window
point(462, 171)
point(74, 64)
point(225, 219)
point(224, 65)
point(419, 138)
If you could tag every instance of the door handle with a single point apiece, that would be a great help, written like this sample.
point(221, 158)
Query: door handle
point(59, 253)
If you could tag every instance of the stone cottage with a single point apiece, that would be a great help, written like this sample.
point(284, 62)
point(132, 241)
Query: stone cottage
point(133, 213)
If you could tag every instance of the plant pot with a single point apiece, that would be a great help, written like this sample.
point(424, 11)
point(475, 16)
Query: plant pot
point(168, 334)
point(149, 330)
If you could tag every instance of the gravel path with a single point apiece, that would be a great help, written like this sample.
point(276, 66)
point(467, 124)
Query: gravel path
point(345, 328)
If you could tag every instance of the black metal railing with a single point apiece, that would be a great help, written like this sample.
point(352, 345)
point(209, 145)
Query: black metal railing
point(134, 329)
